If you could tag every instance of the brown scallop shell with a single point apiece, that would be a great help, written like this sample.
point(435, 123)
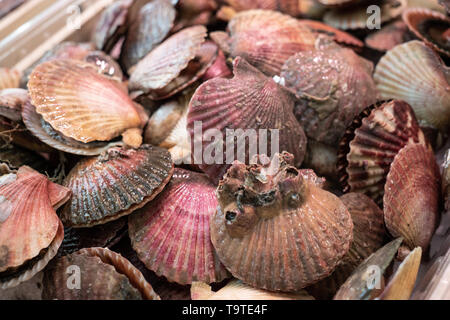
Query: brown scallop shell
point(171, 235)
point(104, 275)
point(266, 39)
point(248, 101)
point(332, 87)
point(371, 143)
point(429, 26)
point(72, 95)
point(368, 236)
point(388, 36)
point(413, 72)
point(337, 35)
point(276, 228)
point(411, 196)
point(115, 184)
point(9, 78)
point(11, 101)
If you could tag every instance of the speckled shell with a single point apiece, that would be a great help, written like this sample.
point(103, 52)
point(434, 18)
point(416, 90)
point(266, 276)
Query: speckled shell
point(337, 35)
point(356, 288)
point(414, 73)
point(104, 275)
point(371, 143)
point(171, 235)
point(357, 17)
point(430, 27)
point(276, 228)
point(152, 25)
point(9, 78)
point(266, 39)
point(388, 36)
point(168, 60)
point(72, 95)
point(115, 184)
point(332, 87)
point(411, 196)
point(248, 101)
point(11, 101)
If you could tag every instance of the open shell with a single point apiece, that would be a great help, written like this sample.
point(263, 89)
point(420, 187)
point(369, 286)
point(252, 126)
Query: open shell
point(411, 196)
point(248, 101)
point(9, 78)
point(413, 72)
point(276, 228)
point(266, 39)
point(115, 184)
point(171, 235)
point(371, 143)
point(72, 95)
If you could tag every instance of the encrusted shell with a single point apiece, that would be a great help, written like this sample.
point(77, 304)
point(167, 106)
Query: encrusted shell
point(248, 101)
point(115, 184)
point(9, 78)
point(72, 95)
point(266, 39)
point(388, 36)
point(276, 228)
point(103, 275)
point(171, 234)
point(371, 143)
point(411, 196)
point(413, 72)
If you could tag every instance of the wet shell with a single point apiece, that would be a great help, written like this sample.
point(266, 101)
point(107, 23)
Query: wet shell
point(248, 101)
point(11, 101)
point(357, 16)
point(71, 96)
point(332, 87)
point(266, 39)
point(236, 290)
point(368, 236)
point(337, 35)
point(105, 64)
point(430, 26)
point(414, 73)
point(371, 143)
point(104, 275)
point(411, 196)
point(171, 235)
point(115, 184)
point(9, 78)
point(276, 229)
point(153, 24)
point(162, 65)
point(388, 37)
point(362, 284)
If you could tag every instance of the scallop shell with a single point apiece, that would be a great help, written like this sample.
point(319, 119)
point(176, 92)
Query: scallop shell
point(11, 101)
point(368, 236)
point(337, 35)
point(357, 16)
point(248, 101)
point(168, 60)
point(414, 73)
point(276, 229)
point(411, 196)
point(105, 64)
point(266, 39)
point(104, 275)
point(371, 143)
point(389, 36)
point(218, 69)
point(332, 87)
point(71, 96)
point(115, 184)
point(152, 25)
point(236, 290)
point(429, 26)
point(171, 235)
point(9, 78)
point(362, 284)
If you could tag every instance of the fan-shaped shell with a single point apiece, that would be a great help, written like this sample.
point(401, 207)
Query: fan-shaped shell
point(171, 235)
point(168, 60)
point(9, 78)
point(371, 143)
point(266, 39)
point(248, 101)
point(411, 196)
point(81, 103)
point(11, 101)
point(414, 73)
point(115, 184)
point(103, 275)
point(429, 26)
point(276, 229)
point(332, 87)
point(388, 36)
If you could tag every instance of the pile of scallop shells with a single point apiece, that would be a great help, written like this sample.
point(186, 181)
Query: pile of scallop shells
point(100, 198)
